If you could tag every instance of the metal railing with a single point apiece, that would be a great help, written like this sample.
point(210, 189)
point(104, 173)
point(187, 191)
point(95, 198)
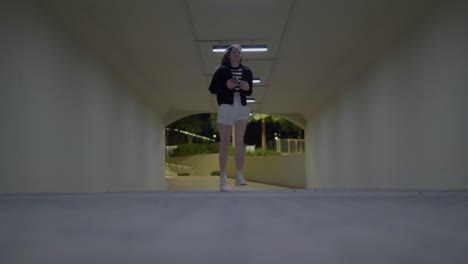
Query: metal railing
point(290, 145)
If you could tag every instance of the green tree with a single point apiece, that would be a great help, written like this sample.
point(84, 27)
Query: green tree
point(213, 123)
point(288, 128)
point(192, 124)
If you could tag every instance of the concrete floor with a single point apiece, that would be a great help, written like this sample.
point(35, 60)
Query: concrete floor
point(206, 183)
point(274, 226)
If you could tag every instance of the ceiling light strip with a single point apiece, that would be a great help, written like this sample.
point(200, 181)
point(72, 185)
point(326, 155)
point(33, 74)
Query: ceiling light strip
point(245, 48)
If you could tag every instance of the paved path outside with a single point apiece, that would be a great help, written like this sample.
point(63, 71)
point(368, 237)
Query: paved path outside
point(184, 183)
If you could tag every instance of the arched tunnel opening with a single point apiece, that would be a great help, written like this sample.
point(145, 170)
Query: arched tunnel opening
point(274, 153)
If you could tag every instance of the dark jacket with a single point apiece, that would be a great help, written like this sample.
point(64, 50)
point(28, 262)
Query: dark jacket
point(223, 94)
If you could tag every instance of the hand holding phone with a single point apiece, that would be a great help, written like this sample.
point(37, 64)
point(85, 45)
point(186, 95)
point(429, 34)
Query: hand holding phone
point(231, 83)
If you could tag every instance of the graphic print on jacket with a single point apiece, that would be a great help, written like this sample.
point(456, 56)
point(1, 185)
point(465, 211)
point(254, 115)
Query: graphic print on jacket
point(237, 75)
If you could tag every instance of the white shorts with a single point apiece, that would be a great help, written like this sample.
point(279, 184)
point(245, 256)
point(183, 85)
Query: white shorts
point(228, 114)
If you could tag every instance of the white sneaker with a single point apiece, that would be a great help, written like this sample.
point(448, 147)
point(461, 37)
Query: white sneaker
point(240, 180)
point(223, 186)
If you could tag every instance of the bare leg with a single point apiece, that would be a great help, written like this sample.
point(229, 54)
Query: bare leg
point(240, 127)
point(225, 138)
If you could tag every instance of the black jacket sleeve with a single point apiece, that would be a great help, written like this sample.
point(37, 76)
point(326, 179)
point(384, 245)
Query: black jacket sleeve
point(249, 79)
point(218, 82)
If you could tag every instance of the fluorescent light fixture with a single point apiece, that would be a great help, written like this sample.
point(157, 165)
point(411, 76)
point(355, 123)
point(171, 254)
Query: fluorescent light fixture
point(245, 48)
point(250, 100)
point(256, 80)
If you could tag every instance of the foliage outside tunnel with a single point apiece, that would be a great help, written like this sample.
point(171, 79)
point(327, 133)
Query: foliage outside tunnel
point(265, 135)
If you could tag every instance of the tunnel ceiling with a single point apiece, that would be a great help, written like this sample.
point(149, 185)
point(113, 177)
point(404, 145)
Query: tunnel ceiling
point(161, 50)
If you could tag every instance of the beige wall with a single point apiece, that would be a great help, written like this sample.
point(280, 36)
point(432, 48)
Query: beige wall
point(66, 124)
point(285, 171)
point(405, 124)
